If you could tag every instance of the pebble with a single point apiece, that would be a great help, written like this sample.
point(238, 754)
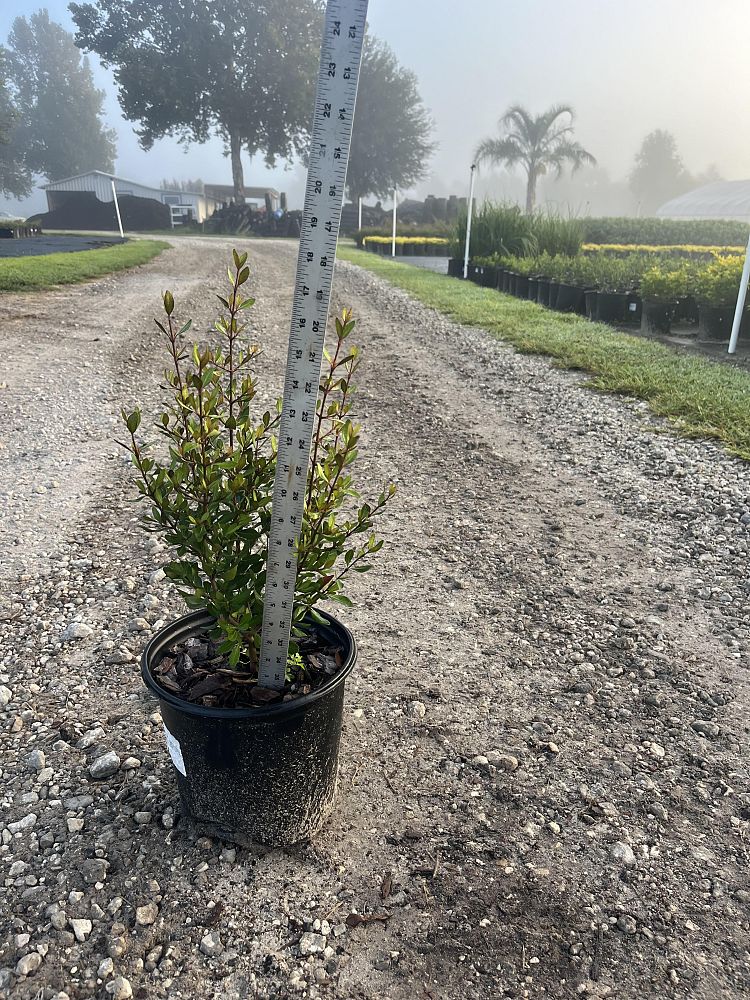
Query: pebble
point(119, 988)
point(142, 817)
point(708, 729)
point(146, 915)
point(36, 760)
point(28, 965)
point(106, 968)
point(311, 943)
point(506, 762)
point(626, 924)
point(417, 709)
point(27, 822)
point(6, 696)
point(105, 766)
point(77, 630)
point(81, 928)
point(211, 944)
point(622, 852)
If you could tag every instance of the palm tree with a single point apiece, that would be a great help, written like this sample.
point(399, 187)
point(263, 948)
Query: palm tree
point(539, 144)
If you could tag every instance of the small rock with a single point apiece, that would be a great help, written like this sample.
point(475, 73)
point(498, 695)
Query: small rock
point(94, 870)
point(77, 630)
point(658, 811)
point(21, 825)
point(75, 824)
point(507, 762)
point(708, 729)
point(28, 965)
point(105, 766)
point(90, 737)
point(36, 760)
point(656, 750)
point(311, 944)
point(417, 709)
point(142, 818)
point(81, 928)
point(6, 695)
point(120, 988)
point(119, 656)
point(626, 924)
point(157, 576)
point(621, 852)
point(106, 968)
point(211, 944)
point(146, 915)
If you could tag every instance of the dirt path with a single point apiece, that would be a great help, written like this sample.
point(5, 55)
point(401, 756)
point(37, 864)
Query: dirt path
point(545, 742)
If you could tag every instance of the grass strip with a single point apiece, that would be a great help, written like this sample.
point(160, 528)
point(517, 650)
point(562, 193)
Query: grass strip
point(25, 274)
point(703, 398)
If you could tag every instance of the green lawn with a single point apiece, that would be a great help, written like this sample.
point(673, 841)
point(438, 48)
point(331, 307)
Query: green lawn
point(25, 274)
point(703, 398)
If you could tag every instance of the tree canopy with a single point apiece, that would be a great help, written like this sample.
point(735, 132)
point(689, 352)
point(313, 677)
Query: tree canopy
point(195, 68)
point(15, 177)
point(391, 135)
point(60, 129)
point(659, 173)
point(539, 143)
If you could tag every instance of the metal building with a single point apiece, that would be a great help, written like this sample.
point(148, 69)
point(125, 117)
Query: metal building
point(183, 204)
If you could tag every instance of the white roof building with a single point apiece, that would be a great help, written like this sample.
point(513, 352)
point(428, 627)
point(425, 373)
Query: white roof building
point(720, 200)
point(97, 182)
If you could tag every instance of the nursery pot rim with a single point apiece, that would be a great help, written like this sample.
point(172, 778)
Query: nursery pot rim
point(196, 621)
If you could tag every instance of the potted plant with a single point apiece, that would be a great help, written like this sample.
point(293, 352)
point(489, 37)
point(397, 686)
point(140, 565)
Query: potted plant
point(717, 287)
point(661, 290)
point(252, 763)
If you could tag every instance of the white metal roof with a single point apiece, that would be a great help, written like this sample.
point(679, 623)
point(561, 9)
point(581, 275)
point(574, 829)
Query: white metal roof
point(111, 177)
point(720, 200)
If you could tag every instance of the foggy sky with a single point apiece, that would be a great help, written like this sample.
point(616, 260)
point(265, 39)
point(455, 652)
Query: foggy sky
point(627, 67)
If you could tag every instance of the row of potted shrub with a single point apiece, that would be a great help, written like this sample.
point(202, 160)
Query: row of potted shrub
point(632, 290)
point(408, 246)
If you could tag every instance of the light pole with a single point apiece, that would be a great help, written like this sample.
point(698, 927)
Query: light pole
point(740, 308)
point(393, 235)
point(469, 214)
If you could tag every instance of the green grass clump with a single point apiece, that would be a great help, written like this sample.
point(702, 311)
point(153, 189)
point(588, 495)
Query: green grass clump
point(703, 398)
point(25, 274)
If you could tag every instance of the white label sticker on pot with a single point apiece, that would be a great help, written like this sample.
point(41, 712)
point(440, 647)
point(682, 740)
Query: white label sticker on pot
point(175, 752)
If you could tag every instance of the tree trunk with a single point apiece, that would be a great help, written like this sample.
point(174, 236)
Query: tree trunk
point(531, 191)
point(238, 178)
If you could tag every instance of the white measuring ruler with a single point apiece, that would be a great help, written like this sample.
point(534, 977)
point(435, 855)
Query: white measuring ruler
point(340, 57)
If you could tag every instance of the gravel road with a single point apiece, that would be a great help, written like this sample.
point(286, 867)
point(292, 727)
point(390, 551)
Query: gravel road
point(544, 787)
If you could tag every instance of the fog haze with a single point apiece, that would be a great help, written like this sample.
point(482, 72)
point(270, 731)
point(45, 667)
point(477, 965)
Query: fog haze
point(627, 68)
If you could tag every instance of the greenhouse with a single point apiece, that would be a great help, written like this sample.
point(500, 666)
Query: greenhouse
point(720, 200)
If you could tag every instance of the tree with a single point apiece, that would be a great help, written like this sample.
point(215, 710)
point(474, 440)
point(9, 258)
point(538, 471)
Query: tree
point(390, 138)
point(196, 68)
point(15, 177)
point(659, 173)
point(177, 185)
point(60, 109)
point(539, 144)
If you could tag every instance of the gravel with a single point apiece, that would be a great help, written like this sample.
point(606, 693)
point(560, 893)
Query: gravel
point(565, 814)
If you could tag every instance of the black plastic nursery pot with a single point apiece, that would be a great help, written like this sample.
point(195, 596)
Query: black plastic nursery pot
point(262, 775)
point(611, 307)
point(715, 322)
point(522, 286)
point(554, 288)
point(542, 291)
point(634, 310)
point(489, 278)
point(687, 311)
point(455, 267)
point(657, 317)
point(570, 298)
point(507, 281)
point(591, 296)
point(533, 289)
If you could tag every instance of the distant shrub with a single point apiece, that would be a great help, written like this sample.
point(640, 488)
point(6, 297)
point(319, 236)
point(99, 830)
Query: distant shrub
point(661, 232)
